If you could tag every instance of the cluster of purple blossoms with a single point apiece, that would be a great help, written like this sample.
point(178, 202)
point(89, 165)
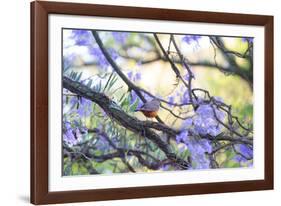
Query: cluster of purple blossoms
point(171, 99)
point(191, 38)
point(82, 37)
point(100, 58)
point(82, 106)
point(72, 134)
point(206, 120)
point(206, 117)
point(198, 148)
point(134, 76)
point(85, 38)
point(120, 36)
point(185, 97)
point(245, 153)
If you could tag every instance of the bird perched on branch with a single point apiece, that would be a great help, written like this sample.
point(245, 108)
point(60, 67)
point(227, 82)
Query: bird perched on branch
point(150, 109)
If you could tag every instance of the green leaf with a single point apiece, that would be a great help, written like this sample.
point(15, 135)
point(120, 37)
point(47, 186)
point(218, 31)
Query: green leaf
point(134, 106)
point(75, 168)
point(122, 97)
point(67, 169)
point(125, 102)
point(112, 82)
point(83, 170)
point(232, 164)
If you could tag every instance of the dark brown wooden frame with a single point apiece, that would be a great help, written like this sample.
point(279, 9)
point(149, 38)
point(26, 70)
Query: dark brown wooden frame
point(39, 102)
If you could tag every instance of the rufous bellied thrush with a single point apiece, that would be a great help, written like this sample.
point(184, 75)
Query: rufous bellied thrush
point(150, 109)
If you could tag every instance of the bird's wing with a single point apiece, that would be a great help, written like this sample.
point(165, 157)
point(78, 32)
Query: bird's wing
point(150, 106)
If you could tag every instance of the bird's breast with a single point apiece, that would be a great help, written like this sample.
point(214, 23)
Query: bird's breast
point(149, 114)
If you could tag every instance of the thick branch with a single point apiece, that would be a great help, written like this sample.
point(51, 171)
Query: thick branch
point(243, 140)
point(131, 123)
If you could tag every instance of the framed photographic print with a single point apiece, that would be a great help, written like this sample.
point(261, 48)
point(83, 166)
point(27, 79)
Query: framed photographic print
point(131, 102)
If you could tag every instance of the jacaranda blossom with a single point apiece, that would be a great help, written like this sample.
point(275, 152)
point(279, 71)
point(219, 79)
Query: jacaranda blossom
point(82, 37)
point(120, 36)
point(134, 76)
point(248, 39)
point(198, 148)
point(245, 153)
point(191, 38)
point(205, 121)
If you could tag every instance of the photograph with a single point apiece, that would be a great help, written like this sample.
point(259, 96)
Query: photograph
point(131, 102)
point(142, 102)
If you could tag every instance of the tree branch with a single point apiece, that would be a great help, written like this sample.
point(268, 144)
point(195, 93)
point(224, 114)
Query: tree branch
point(116, 68)
point(131, 123)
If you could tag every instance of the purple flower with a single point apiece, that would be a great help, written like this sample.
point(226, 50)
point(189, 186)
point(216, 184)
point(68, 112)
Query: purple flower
point(205, 111)
point(68, 134)
point(185, 97)
point(81, 106)
point(191, 38)
point(245, 151)
point(248, 39)
point(67, 125)
point(100, 58)
point(73, 133)
point(134, 96)
point(165, 167)
point(120, 36)
point(198, 100)
point(205, 121)
point(138, 76)
point(130, 75)
point(134, 77)
point(219, 99)
point(182, 137)
point(113, 53)
point(206, 144)
point(186, 77)
point(171, 100)
point(82, 37)
point(85, 107)
point(198, 149)
point(73, 101)
point(204, 126)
